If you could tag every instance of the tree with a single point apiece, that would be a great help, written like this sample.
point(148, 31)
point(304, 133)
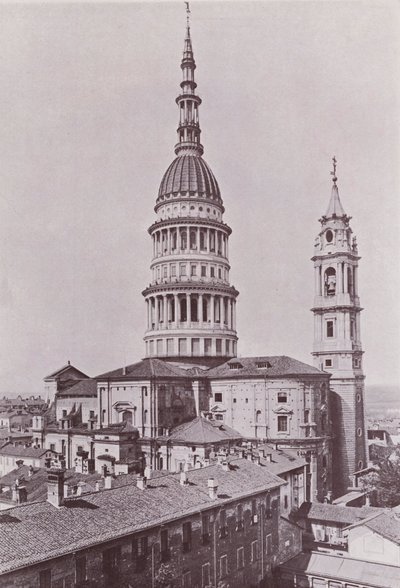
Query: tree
point(384, 484)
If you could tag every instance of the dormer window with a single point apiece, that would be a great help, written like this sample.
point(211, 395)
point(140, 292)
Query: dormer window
point(263, 364)
point(235, 366)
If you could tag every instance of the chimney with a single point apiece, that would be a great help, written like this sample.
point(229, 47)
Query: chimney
point(147, 472)
point(66, 489)
point(225, 466)
point(212, 488)
point(242, 453)
point(250, 456)
point(367, 500)
point(108, 482)
point(269, 457)
point(55, 486)
point(197, 465)
point(31, 471)
point(124, 371)
point(184, 479)
point(97, 486)
point(261, 452)
point(141, 483)
point(79, 490)
point(206, 462)
point(19, 493)
point(186, 467)
point(104, 471)
point(257, 459)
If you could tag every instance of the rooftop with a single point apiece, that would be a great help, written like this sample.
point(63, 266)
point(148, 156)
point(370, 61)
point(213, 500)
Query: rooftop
point(282, 461)
point(146, 368)
point(274, 366)
point(101, 516)
point(21, 451)
point(353, 571)
point(385, 523)
point(336, 513)
point(201, 430)
point(86, 387)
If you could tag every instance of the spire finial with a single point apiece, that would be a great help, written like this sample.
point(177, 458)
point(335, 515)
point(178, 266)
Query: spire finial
point(333, 173)
point(187, 15)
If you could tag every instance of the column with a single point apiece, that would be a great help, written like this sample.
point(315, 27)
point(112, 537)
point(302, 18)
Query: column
point(148, 313)
point(355, 277)
point(157, 313)
point(207, 239)
point(176, 305)
point(346, 278)
point(187, 239)
point(317, 280)
point(169, 241)
point(234, 315)
point(198, 238)
point(165, 310)
point(188, 309)
point(212, 309)
point(200, 310)
point(339, 284)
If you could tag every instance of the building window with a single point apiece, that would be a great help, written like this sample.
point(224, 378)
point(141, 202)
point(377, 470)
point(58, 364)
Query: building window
point(282, 424)
point(240, 558)
point(268, 544)
point(173, 271)
point(203, 271)
point(234, 401)
point(323, 423)
point(223, 566)
point(182, 269)
point(219, 273)
point(328, 363)
point(282, 397)
point(235, 366)
point(139, 553)
point(187, 580)
point(205, 575)
point(358, 397)
point(64, 413)
point(205, 529)
point(285, 501)
point(212, 272)
point(52, 447)
point(268, 512)
point(219, 417)
point(329, 236)
point(144, 390)
point(254, 551)
point(330, 329)
point(223, 529)
point(360, 464)
point(164, 545)
point(187, 537)
point(247, 401)
point(239, 518)
point(218, 346)
point(111, 560)
point(165, 271)
point(218, 397)
point(80, 568)
point(193, 270)
point(45, 579)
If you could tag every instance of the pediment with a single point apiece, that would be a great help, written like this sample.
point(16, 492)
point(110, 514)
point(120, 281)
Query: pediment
point(282, 410)
point(123, 405)
point(217, 408)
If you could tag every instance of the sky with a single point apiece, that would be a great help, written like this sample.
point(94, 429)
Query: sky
point(88, 123)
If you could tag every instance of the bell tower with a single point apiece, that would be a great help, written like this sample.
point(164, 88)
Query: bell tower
point(337, 342)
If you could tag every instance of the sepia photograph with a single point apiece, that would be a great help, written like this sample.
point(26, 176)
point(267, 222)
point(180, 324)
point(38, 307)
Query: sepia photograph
point(199, 294)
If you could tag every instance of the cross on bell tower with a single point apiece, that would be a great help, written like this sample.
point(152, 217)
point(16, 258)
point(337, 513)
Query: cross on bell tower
point(337, 342)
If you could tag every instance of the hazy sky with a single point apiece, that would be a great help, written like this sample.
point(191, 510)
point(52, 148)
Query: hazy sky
point(88, 121)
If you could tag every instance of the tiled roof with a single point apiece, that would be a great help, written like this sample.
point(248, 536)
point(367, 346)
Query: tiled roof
point(386, 524)
point(277, 366)
point(282, 461)
point(146, 368)
point(21, 451)
point(64, 369)
point(36, 484)
point(336, 513)
point(202, 430)
point(352, 571)
point(86, 387)
point(106, 515)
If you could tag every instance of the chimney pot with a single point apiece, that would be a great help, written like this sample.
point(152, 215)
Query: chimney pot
point(141, 483)
point(269, 457)
point(147, 472)
point(108, 482)
point(212, 488)
point(225, 466)
point(55, 486)
point(97, 486)
point(250, 456)
point(184, 479)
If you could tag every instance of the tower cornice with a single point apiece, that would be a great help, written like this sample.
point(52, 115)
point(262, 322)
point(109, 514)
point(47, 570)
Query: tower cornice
point(187, 220)
point(335, 255)
point(183, 287)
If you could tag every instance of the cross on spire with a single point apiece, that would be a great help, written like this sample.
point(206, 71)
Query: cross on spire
point(333, 173)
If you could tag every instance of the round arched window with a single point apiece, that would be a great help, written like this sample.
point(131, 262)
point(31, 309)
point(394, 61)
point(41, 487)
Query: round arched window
point(208, 210)
point(358, 397)
point(360, 464)
point(200, 208)
point(192, 208)
point(329, 236)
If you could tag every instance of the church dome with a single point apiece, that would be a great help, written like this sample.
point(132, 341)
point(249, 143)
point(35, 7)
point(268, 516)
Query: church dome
point(189, 174)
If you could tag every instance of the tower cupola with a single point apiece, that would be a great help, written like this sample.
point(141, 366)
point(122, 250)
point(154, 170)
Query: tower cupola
point(191, 306)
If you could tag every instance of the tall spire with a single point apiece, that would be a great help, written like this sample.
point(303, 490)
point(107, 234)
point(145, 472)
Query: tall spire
point(188, 102)
point(335, 207)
